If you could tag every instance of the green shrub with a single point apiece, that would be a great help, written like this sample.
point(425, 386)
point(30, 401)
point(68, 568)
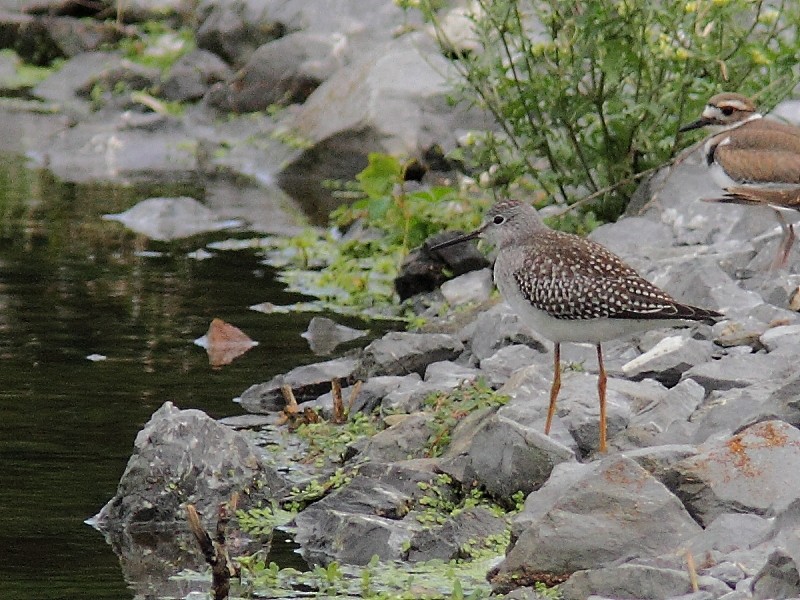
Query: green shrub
point(589, 95)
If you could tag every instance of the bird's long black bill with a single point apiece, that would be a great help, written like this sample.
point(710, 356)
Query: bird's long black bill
point(694, 125)
point(457, 240)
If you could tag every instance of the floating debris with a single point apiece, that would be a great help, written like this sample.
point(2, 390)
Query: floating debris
point(96, 357)
point(224, 342)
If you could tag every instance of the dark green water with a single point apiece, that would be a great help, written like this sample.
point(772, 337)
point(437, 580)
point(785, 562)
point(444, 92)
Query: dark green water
point(72, 285)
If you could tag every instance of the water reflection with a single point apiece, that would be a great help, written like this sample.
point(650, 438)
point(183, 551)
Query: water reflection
point(72, 285)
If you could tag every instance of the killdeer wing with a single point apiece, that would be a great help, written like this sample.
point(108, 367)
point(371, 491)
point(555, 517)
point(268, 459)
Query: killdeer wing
point(777, 198)
point(764, 152)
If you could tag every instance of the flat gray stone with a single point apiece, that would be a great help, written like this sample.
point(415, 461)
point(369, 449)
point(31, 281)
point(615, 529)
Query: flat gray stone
point(739, 371)
point(307, 382)
point(669, 359)
point(637, 581)
point(778, 337)
point(498, 327)
point(401, 353)
point(402, 441)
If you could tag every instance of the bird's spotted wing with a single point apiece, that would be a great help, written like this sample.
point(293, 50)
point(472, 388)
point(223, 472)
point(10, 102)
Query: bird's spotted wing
point(569, 277)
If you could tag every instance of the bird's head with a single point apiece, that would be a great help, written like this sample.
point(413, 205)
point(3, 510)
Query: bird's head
point(723, 111)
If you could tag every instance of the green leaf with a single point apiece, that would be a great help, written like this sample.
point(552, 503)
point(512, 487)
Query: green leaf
point(380, 175)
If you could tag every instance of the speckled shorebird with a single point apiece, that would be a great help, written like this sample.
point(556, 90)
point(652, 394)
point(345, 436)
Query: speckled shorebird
point(755, 160)
point(570, 289)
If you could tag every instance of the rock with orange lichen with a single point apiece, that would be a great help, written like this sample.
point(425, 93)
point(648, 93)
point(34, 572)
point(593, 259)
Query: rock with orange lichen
point(753, 471)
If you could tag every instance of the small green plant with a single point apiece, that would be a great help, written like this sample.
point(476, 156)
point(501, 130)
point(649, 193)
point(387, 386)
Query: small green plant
point(405, 218)
point(434, 580)
point(589, 95)
point(329, 440)
point(155, 44)
point(356, 276)
point(451, 407)
point(26, 75)
point(315, 489)
point(262, 520)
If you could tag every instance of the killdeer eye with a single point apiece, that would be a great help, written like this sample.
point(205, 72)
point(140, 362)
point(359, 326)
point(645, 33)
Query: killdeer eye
point(727, 111)
point(498, 220)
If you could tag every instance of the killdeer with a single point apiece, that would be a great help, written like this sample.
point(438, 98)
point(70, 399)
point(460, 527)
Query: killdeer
point(755, 160)
point(570, 289)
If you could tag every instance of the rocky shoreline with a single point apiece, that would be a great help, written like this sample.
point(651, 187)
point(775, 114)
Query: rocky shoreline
point(696, 498)
point(702, 427)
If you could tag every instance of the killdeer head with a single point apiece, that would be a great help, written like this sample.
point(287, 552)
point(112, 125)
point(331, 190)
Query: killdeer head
point(724, 111)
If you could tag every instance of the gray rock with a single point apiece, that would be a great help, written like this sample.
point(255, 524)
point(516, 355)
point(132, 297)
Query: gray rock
point(356, 522)
point(652, 422)
point(324, 335)
point(778, 579)
point(777, 337)
point(409, 399)
point(579, 409)
point(729, 410)
point(449, 374)
point(669, 359)
point(672, 197)
point(506, 457)
point(123, 75)
point(62, 86)
point(307, 383)
point(638, 581)
point(657, 459)
point(404, 440)
point(192, 74)
point(709, 286)
point(610, 511)
point(475, 286)
point(731, 475)
point(400, 353)
point(634, 238)
point(498, 367)
point(281, 72)
point(468, 529)
point(182, 457)
point(740, 371)
point(233, 30)
point(499, 327)
point(392, 99)
point(728, 533)
point(122, 148)
point(75, 36)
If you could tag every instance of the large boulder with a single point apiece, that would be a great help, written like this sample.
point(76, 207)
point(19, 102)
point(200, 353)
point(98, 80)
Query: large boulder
point(184, 457)
point(591, 516)
point(394, 99)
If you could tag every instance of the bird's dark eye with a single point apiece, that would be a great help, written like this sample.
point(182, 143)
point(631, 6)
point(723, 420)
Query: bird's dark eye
point(727, 111)
point(499, 219)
